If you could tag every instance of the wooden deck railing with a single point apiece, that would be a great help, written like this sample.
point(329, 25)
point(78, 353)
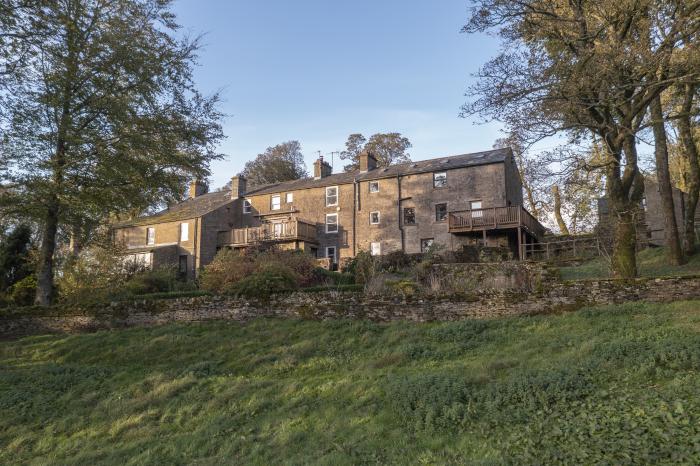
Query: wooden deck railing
point(493, 218)
point(282, 231)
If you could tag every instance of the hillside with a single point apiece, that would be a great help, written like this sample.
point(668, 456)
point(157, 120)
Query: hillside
point(612, 385)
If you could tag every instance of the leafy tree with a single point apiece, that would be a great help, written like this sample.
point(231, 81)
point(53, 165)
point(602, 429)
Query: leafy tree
point(388, 148)
point(15, 262)
point(101, 115)
point(582, 68)
point(283, 162)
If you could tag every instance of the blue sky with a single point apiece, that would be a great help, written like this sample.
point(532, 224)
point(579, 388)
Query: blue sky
point(317, 70)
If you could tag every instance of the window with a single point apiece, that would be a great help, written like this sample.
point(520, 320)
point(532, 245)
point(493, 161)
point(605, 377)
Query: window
point(374, 218)
point(330, 253)
point(183, 265)
point(476, 205)
point(409, 216)
point(290, 198)
point(425, 244)
point(440, 180)
point(440, 212)
point(331, 196)
point(375, 249)
point(644, 203)
point(150, 235)
point(331, 223)
point(184, 232)
point(246, 206)
point(374, 186)
point(275, 202)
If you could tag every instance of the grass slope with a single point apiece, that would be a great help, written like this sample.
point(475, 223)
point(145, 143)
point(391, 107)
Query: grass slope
point(610, 385)
point(651, 262)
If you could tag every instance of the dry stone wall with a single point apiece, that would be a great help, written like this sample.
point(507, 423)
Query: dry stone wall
point(520, 299)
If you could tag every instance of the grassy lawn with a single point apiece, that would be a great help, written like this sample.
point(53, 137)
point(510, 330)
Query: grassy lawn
point(651, 262)
point(611, 385)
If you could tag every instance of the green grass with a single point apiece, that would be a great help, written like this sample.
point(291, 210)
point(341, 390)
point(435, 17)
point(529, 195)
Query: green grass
point(651, 262)
point(611, 385)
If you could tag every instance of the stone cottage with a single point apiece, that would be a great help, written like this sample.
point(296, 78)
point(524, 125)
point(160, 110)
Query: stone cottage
point(453, 201)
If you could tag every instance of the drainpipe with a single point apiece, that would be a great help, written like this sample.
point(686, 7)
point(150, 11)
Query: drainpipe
point(355, 201)
point(403, 239)
point(194, 249)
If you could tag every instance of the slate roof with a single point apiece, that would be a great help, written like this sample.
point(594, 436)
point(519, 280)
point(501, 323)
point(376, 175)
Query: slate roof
point(410, 168)
point(189, 208)
point(201, 205)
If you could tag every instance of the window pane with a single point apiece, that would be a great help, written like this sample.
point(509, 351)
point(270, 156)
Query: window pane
point(275, 203)
point(425, 244)
point(150, 235)
point(332, 195)
point(374, 217)
point(290, 197)
point(440, 212)
point(374, 187)
point(440, 179)
point(409, 216)
point(332, 223)
point(375, 249)
point(246, 207)
point(476, 205)
point(184, 232)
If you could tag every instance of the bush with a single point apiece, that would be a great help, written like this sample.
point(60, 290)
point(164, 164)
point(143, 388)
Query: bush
point(160, 280)
point(270, 279)
point(23, 292)
point(325, 277)
point(230, 267)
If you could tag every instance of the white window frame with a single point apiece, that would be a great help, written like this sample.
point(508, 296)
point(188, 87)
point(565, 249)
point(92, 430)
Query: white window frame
point(480, 213)
point(334, 257)
point(150, 236)
point(328, 188)
point(289, 198)
point(373, 183)
point(272, 202)
point(375, 248)
point(443, 180)
point(337, 227)
point(184, 232)
point(247, 207)
point(379, 218)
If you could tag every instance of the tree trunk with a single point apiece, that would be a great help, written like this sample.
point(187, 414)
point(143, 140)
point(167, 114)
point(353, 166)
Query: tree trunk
point(624, 195)
point(690, 151)
point(673, 243)
point(557, 211)
point(45, 289)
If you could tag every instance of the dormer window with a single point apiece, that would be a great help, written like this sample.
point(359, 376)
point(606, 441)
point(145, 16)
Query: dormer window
point(440, 180)
point(331, 196)
point(275, 202)
point(247, 208)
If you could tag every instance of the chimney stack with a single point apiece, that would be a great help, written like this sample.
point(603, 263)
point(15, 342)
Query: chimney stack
point(238, 187)
point(322, 169)
point(367, 161)
point(197, 188)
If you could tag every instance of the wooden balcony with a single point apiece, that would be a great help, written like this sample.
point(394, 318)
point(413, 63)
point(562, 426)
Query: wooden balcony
point(295, 230)
point(495, 218)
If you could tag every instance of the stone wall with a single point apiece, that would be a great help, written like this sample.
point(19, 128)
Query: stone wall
point(512, 301)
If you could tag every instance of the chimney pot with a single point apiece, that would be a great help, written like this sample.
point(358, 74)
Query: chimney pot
point(197, 188)
point(367, 161)
point(238, 187)
point(322, 169)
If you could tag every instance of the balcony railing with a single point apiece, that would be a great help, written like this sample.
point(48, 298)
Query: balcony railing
point(294, 230)
point(493, 218)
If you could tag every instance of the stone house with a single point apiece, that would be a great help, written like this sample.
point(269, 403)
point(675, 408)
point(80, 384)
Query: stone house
point(651, 227)
point(454, 201)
